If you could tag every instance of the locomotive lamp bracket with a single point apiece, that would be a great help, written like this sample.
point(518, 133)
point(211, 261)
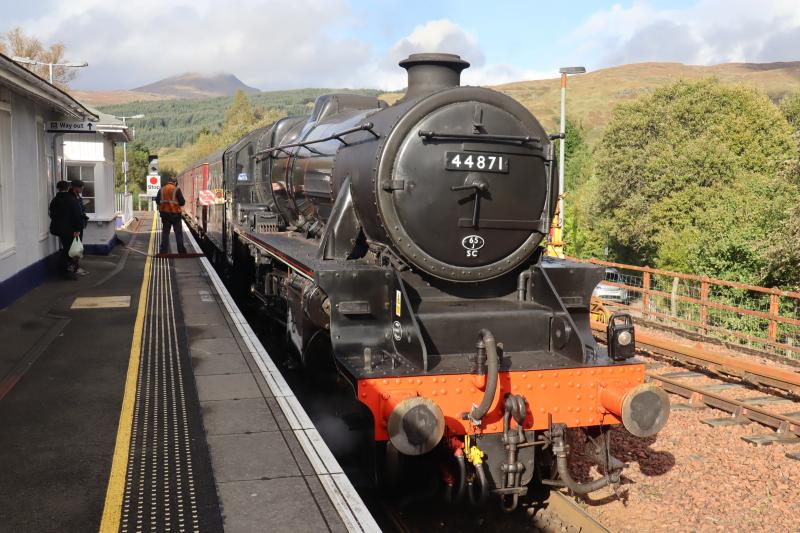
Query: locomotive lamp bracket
point(621, 337)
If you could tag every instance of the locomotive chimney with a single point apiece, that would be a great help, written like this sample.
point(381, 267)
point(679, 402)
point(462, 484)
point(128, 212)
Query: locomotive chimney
point(431, 72)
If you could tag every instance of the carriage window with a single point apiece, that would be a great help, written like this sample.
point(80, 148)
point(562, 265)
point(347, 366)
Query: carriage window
point(244, 164)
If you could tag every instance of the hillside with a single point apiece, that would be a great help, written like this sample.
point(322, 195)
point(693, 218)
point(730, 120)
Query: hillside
point(194, 85)
point(107, 98)
point(175, 122)
point(591, 97)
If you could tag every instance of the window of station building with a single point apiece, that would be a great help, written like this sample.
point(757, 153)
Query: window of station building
point(6, 183)
point(85, 173)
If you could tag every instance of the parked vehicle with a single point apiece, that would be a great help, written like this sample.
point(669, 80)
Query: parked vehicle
point(612, 293)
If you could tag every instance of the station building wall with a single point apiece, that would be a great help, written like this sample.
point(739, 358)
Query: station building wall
point(27, 185)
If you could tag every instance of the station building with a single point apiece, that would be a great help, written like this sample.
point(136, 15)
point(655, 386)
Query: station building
point(46, 136)
point(89, 156)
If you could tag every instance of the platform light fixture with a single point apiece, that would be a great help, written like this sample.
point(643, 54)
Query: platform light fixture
point(29, 61)
point(565, 71)
point(125, 150)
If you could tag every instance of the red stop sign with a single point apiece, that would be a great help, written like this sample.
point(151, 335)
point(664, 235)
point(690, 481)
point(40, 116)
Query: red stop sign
point(154, 180)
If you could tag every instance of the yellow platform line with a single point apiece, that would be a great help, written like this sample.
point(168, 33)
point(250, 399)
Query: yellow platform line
point(112, 508)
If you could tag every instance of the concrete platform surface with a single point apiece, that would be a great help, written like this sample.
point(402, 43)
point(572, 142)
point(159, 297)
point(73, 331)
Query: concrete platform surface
point(161, 412)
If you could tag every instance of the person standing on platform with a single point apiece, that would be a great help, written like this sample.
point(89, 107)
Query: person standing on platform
point(66, 223)
point(76, 188)
point(169, 200)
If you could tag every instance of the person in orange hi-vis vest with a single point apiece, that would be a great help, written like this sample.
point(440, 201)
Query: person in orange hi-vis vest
point(169, 200)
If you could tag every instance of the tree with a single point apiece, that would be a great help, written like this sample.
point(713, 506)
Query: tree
point(578, 170)
point(688, 179)
point(240, 118)
point(790, 107)
point(137, 168)
point(783, 249)
point(16, 43)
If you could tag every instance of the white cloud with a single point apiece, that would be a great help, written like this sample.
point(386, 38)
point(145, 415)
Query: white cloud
point(709, 32)
point(267, 43)
point(445, 36)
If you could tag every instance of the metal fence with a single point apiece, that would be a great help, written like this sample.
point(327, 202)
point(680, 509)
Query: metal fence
point(123, 204)
point(146, 201)
point(761, 318)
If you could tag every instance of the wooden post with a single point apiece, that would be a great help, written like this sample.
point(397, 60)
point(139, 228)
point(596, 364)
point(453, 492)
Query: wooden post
point(646, 294)
point(704, 300)
point(673, 304)
point(774, 311)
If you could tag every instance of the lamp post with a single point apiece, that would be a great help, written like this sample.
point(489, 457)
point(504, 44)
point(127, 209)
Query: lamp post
point(565, 71)
point(125, 151)
point(555, 247)
point(29, 61)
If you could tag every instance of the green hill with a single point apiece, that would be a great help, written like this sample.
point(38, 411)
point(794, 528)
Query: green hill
point(174, 123)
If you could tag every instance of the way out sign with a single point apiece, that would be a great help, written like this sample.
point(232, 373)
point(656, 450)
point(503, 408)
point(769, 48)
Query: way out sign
point(153, 184)
point(68, 126)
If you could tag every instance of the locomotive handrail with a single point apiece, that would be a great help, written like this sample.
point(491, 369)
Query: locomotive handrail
point(367, 126)
point(428, 135)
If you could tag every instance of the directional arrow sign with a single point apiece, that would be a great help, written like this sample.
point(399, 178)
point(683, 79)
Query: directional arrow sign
point(68, 126)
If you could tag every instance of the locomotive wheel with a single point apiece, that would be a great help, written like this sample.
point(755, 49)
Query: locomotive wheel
point(242, 270)
point(317, 359)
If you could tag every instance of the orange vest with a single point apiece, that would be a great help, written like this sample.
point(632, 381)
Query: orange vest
point(169, 202)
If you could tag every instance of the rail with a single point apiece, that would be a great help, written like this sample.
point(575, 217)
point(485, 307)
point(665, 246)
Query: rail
point(785, 424)
point(750, 316)
point(561, 513)
point(717, 363)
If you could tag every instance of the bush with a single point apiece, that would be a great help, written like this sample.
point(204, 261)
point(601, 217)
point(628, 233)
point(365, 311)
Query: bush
point(688, 179)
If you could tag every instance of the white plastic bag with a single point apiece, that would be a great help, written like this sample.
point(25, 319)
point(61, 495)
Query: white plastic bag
point(76, 249)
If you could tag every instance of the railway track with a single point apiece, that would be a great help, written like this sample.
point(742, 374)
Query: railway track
point(786, 425)
point(559, 514)
point(723, 365)
point(562, 514)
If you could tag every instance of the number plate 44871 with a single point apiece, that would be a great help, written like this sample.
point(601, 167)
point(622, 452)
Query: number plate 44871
point(476, 162)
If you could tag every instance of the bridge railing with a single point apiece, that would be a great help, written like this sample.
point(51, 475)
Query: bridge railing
point(766, 319)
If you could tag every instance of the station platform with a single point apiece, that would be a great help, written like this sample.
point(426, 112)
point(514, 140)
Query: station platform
point(138, 399)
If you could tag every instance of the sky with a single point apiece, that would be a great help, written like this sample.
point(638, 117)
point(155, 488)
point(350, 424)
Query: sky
point(286, 44)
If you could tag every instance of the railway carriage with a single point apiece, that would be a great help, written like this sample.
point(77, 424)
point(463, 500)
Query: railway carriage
point(402, 246)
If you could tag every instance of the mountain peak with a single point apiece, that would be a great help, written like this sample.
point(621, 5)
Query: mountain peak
point(197, 85)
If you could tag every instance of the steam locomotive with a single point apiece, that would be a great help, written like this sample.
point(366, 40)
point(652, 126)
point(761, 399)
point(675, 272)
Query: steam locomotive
point(402, 245)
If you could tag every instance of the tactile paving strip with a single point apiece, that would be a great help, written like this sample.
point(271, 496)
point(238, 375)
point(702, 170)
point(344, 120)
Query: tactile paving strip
point(169, 485)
